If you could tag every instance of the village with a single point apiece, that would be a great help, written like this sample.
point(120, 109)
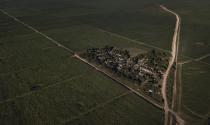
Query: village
point(145, 69)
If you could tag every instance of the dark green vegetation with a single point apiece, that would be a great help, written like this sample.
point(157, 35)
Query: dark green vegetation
point(114, 114)
point(195, 42)
point(30, 64)
point(195, 38)
point(42, 84)
point(54, 104)
point(196, 94)
point(141, 20)
point(145, 68)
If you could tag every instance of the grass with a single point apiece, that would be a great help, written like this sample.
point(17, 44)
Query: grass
point(128, 110)
point(60, 102)
point(195, 81)
point(27, 59)
point(89, 37)
point(26, 63)
point(67, 86)
point(10, 28)
point(195, 26)
point(140, 20)
point(150, 24)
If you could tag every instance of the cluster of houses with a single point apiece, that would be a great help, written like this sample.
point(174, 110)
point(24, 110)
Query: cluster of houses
point(147, 67)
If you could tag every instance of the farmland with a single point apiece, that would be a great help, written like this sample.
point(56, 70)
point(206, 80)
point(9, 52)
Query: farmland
point(195, 79)
point(132, 116)
point(195, 26)
point(43, 84)
point(64, 88)
point(194, 42)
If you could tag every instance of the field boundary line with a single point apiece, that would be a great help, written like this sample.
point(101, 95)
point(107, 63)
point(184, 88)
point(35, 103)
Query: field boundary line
point(101, 105)
point(72, 52)
point(81, 59)
point(147, 99)
point(202, 57)
point(129, 39)
point(41, 89)
point(35, 30)
point(28, 68)
point(193, 112)
point(142, 43)
point(159, 106)
point(48, 48)
point(196, 59)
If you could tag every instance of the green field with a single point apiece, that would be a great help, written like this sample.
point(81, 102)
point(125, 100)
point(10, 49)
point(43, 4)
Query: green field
point(53, 104)
point(195, 81)
point(195, 26)
point(43, 84)
point(195, 42)
point(126, 111)
point(67, 86)
point(140, 20)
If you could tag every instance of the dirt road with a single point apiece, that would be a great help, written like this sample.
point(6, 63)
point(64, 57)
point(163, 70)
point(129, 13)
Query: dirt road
point(171, 63)
point(176, 85)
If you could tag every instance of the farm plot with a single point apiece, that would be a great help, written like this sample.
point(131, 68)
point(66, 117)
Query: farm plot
point(147, 24)
point(128, 110)
point(91, 37)
point(195, 81)
point(150, 24)
point(51, 105)
point(43, 84)
point(8, 27)
point(195, 27)
point(31, 62)
point(140, 20)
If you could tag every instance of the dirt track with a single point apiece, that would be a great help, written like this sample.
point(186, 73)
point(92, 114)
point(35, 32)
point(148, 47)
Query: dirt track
point(171, 63)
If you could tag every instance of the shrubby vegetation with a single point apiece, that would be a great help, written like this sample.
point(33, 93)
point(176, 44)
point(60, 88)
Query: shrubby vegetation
point(145, 68)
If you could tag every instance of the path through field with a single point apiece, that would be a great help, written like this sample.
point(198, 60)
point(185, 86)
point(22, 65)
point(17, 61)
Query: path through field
point(174, 52)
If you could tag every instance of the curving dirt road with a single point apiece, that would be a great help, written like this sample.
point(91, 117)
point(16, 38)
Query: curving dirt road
point(176, 91)
point(171, 63)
